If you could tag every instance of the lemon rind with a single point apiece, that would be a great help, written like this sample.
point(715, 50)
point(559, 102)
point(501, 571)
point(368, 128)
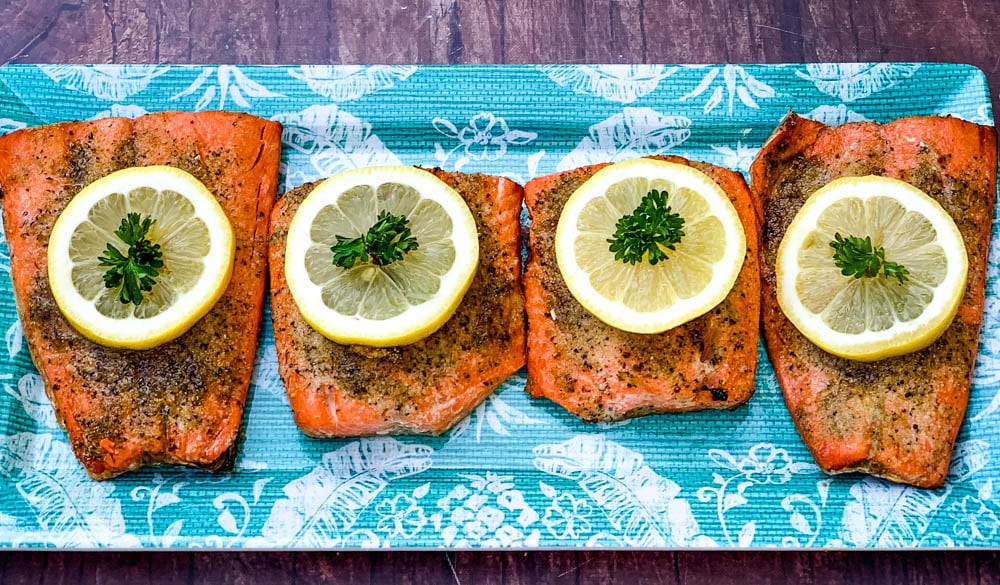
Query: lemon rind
point(908, 336)
point(617, 314)
point(134, 332)
point(417, 322)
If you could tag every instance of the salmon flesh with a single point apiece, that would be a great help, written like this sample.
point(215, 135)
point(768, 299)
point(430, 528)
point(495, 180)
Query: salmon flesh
point(182, 402)
point(600, 373)
point(896, 418)
point(425, 387)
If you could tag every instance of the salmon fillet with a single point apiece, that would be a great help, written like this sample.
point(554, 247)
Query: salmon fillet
point(896, 418)
point(340, 390)
point(600, 373)
point(182, 402)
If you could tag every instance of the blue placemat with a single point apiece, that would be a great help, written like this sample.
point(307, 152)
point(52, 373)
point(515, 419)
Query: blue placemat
point(517, 472)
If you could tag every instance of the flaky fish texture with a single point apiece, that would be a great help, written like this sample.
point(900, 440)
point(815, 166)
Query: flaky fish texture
point(182, 402)
point(426, 387)
point(895, 418)
point(600, 373)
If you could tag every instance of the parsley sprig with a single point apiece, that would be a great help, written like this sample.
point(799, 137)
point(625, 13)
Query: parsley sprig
point(384, 243)
point(133, 272)
point(649, 230)
point(860, 258)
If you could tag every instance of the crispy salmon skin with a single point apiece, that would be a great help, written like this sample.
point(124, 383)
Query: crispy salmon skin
point(426, 387)
point(896, 418)
point(600, 373)
point(182, 402)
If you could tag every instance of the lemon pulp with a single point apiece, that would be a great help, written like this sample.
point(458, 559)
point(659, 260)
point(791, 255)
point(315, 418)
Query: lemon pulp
point(872, 317)
point(645, 297)
point(195, 238)
point(388, 304)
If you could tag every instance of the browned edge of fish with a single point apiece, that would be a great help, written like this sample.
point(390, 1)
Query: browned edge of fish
point(600, 373)
point(896, 418)
point(426, 387)
point(182, 402)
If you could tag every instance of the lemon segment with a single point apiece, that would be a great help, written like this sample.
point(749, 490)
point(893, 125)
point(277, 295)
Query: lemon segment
point(194, 235)
point(389, 304)
point(643, 297)
point(872, 317)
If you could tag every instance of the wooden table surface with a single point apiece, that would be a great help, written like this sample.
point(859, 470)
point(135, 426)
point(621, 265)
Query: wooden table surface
point(501, 31)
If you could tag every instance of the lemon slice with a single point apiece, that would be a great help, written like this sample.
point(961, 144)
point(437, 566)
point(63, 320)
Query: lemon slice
point(872, 317)
point(195, 238)
point(645, 297)
point(383, 303)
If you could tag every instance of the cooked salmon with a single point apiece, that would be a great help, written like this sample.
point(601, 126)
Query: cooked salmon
point(182, 402)
point(896, 418)
point(600, 373)
point(426, 387)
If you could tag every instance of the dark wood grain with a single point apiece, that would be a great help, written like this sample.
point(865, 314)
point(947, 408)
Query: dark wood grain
point(501, 31)
point(510, 568)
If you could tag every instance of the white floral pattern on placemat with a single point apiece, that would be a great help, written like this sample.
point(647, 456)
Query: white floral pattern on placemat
point(321, 508)
point(729, 84)
point(616, 83)
point(518, 472)
point(229, 84)
point(633, 133)
point(341, 83)
point(642, 506)
point(105, 82)
point(486, 511)
point(485, 137)
point(854, 81)
point(72, 509)
point(331, 140)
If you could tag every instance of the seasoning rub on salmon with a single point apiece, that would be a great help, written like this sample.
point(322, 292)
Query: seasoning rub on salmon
point(896, 418)
point(426, 387)
point(181, 402)
point(600, 373)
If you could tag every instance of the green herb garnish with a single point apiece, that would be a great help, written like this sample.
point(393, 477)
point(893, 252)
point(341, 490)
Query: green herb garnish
point(647, 231)
point(856, 257)
point(386, 242)
point(132, 272)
